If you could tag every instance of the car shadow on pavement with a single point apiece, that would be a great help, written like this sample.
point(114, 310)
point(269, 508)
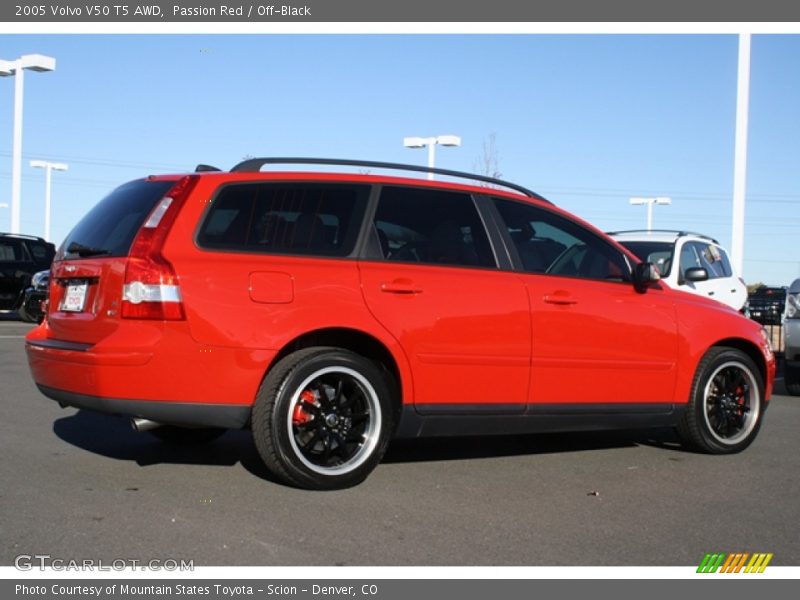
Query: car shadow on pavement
point(458, 448)
point(113, 437)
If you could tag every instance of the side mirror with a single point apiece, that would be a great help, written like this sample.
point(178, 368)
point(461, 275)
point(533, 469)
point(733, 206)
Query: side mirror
point(643, 275)
point(696, 274)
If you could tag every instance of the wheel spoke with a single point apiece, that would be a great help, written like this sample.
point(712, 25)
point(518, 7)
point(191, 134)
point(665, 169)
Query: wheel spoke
point(354, 436)
point(308, 445)
point(326, 445)
point(337, 397)
point(359, 417)
point(309, 407)
point(322, 395)
point(341, 447)
point(351, 398)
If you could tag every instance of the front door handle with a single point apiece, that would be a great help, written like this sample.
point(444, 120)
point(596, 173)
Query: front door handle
point(400, 286)
point(561, 298)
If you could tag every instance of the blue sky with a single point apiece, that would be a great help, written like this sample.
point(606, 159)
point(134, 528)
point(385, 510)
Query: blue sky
point(585, 120)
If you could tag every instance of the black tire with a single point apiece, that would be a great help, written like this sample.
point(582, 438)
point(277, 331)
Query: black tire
point(322, 418)
point(726, 403)
point(186, 436)
point(29, 316)
point(791, 379)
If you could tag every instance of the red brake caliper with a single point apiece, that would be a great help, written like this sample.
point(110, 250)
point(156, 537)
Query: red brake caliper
point(300, 415)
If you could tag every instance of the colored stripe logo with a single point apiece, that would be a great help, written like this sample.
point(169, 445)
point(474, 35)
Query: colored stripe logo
point(736, 562)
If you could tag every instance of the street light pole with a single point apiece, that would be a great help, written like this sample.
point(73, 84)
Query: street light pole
point(16, 68)
point(48, 167)
point(16, 152)
point(650, 202)
point(740, 153)
point(431, 142)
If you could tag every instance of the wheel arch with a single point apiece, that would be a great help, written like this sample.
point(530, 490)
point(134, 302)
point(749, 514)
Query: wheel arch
point(752, 351)
point(360, 343)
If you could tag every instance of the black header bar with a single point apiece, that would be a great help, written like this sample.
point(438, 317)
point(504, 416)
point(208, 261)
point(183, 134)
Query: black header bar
point(441, 11)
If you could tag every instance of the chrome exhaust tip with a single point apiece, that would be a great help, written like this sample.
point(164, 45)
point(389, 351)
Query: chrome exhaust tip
point(139, 424)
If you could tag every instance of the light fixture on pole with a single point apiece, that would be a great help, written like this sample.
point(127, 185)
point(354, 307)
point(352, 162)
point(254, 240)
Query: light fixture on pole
point(660, 200)
point(48, 167)
point(431, 142)
point(16, 68)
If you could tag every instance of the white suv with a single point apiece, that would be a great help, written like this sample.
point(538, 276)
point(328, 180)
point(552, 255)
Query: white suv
point(690, 262)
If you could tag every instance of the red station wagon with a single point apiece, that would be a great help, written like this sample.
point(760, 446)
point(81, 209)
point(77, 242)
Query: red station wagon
point(331, 313)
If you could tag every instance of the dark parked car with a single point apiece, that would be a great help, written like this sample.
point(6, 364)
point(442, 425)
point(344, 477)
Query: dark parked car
point(31, 308)
point(766, 305)
point(21, 256)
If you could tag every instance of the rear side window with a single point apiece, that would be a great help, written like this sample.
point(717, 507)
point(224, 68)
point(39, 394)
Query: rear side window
point(432, 227)
point(285, 218)
point(111, 226)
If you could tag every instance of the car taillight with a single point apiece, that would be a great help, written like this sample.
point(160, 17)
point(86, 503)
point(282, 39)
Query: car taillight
point(151, 289)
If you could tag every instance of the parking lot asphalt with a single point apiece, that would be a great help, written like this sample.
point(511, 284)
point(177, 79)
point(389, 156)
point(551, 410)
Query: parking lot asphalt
point(77, 485)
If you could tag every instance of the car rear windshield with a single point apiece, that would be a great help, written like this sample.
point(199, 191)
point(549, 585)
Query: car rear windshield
point(111, 226)
point(285, 218)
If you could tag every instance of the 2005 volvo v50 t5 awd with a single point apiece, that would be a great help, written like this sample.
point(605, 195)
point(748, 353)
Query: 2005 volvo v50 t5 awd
point(331, 312)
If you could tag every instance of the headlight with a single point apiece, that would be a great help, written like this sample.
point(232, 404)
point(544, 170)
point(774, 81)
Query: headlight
point(40, 280)
point(793, 306)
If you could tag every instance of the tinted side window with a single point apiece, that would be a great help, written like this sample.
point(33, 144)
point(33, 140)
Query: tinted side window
point(114, 222)
point(549, 243)
point(12, 250)
point(705, 256)
point(42, 253)
point(285, 218)
point(432, 227)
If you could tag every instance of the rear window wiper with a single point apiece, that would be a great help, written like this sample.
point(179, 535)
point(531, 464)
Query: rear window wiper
point(83, 251)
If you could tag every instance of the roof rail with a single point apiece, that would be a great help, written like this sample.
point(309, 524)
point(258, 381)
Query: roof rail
point(255, 164)
point(678, 233)
point(22, 236)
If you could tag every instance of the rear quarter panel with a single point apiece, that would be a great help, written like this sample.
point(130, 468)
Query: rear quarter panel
point(229, 303)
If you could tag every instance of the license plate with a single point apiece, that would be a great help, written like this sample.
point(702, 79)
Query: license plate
point(74, 297)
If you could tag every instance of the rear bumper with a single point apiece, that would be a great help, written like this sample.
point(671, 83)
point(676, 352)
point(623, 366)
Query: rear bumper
point(154, 372)
point(172, 413)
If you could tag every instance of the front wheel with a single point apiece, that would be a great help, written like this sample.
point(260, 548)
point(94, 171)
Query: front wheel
point(322, 418)
point(726, 404)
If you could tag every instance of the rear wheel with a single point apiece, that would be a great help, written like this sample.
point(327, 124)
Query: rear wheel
point(322, 418)
point(726, 404)
point(791, 378)
point(186, 436)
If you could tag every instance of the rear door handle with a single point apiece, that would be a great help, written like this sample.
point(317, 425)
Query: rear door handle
point(400, 286)
point(561, 298)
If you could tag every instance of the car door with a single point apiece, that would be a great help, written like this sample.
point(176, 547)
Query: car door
point(595, 338)
point(721, 284)
point(432, 280)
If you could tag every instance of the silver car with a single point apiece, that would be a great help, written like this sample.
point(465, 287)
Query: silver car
point(791, 338)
